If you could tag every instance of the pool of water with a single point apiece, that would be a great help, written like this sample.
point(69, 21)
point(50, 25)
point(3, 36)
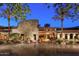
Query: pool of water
point(35, 49)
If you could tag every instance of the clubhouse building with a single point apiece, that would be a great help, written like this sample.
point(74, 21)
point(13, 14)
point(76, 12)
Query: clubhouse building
point(30, 29)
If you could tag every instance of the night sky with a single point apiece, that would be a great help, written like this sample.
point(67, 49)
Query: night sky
point(44, 15)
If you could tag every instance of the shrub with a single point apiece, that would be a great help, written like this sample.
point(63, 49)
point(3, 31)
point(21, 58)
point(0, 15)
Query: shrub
point(59, 41)
point(14, 36)
point(1, 42)
point(70, 42)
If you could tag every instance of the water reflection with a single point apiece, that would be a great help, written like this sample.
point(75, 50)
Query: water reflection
point(40, 49)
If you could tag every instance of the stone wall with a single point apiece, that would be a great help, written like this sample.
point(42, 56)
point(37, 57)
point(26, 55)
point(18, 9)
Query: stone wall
point(29, 28)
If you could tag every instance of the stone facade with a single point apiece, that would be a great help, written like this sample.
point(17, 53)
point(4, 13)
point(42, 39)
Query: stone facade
point(29, 28)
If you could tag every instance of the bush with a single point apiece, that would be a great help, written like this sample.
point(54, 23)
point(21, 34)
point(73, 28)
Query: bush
point(15, 41)
point(70, 42)
point(59, 41)
point(14, 36)
point(1, 42)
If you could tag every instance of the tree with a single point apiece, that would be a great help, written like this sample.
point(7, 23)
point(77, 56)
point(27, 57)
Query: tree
point(47, 25)
point(76, 12)
point(16, 10)
point(62, 11)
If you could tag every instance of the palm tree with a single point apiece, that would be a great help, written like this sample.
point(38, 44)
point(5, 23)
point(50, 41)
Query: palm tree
point(76, 12)
point(16, 10)
point(62, 11)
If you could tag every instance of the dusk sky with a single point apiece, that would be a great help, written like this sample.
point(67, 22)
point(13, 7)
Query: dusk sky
point(44, 15)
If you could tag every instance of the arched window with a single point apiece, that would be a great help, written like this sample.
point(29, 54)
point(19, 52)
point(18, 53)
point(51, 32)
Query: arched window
point(76, 36)
point(71, 36)
point(34, 36)
point(66, 36)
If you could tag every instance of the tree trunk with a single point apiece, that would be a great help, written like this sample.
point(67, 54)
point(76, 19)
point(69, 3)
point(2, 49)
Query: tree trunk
point(9, 25)
point(46, 33)
point(62, 28)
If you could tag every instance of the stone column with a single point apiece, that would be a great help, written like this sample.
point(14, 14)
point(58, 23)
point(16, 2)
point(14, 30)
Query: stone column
point(63, 35)
point(58, 36)
point(73, 38)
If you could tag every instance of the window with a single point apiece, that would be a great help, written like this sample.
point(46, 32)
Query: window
point(34, 36)
point(66, 36)
point(71, 36)
point(60, 35)
point(76, 36)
